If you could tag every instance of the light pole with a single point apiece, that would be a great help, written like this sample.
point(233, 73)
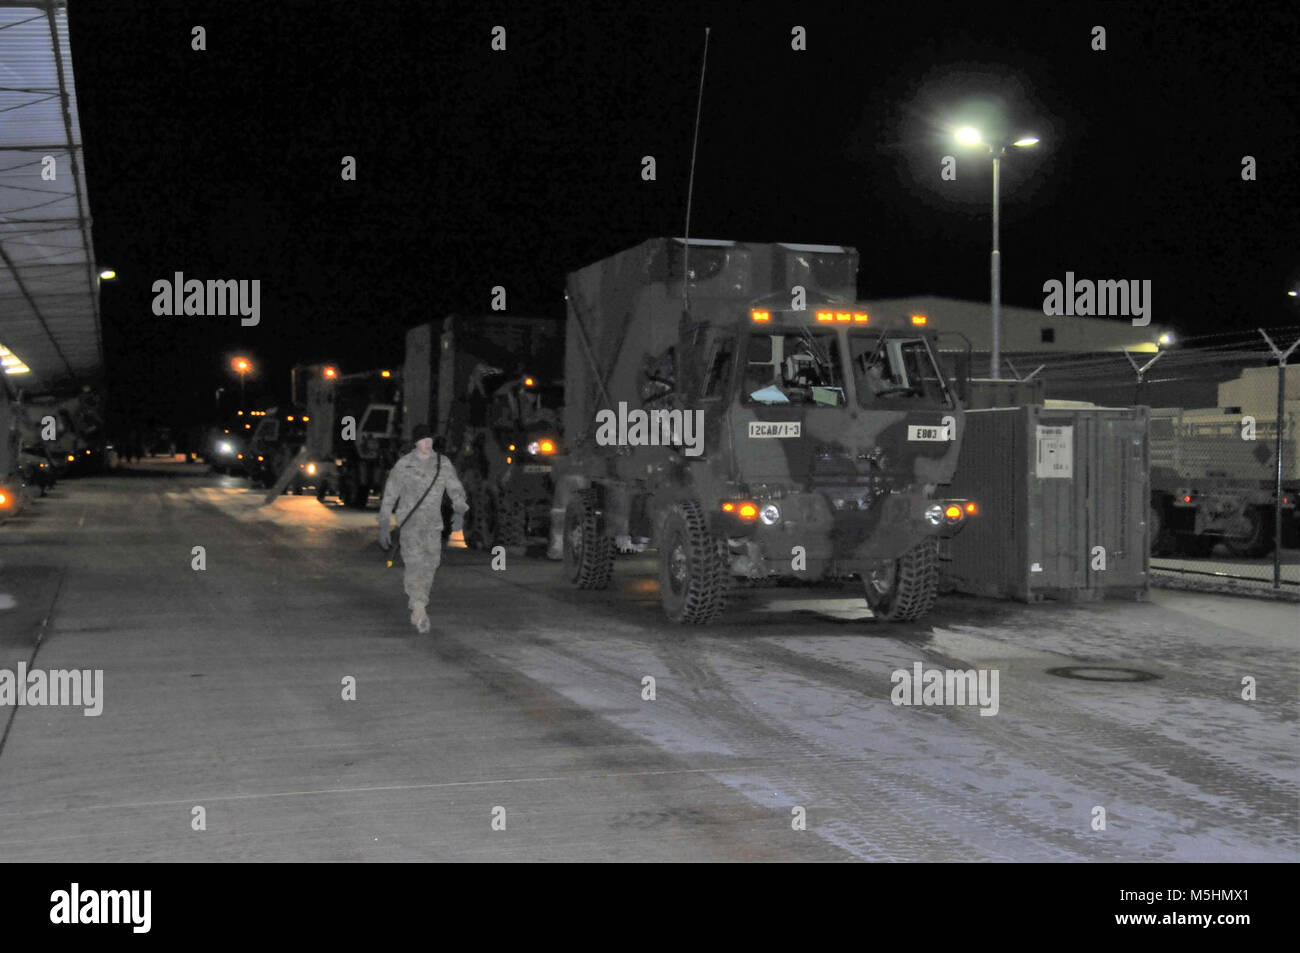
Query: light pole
point(969, 136)
point(243, 366)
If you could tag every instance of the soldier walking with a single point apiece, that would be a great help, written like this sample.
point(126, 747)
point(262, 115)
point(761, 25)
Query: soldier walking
point(415, 487)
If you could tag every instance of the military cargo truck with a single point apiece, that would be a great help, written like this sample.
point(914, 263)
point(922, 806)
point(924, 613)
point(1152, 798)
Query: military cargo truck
point(350, 458)
point(278, 435)
point(489, 385)
point(772, 431)
point(1210, 486)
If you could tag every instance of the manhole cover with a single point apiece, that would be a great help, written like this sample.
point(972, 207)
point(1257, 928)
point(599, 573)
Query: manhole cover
point(1093, 673)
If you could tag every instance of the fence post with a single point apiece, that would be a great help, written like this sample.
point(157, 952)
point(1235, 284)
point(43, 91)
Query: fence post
point(1277, 488)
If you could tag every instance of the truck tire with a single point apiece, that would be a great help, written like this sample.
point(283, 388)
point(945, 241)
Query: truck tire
point(1258, 540)
point(481, 519)
point(353, 492)
point(1162, 541)
point(512, 524)
point(1198, 547)
point(588, 552)
point(906, 588)
point(693, 577)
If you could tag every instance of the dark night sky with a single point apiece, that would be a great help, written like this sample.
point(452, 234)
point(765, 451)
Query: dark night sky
point(478, 168)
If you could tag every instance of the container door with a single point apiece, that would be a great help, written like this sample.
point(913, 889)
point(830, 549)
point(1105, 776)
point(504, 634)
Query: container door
point(1118, 487)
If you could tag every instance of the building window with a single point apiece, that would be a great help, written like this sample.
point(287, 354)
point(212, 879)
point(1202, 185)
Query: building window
point(1049, 335)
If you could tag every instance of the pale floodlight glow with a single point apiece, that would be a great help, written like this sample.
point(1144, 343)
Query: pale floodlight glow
point(1293, 293)
point(108, 274)
point(1166, 339)
point(1026, 141)
point(11, 363)
point(969, 136)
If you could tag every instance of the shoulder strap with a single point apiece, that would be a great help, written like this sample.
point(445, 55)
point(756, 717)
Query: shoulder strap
point(436, 474)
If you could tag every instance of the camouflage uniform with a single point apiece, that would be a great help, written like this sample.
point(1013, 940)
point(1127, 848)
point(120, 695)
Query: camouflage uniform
point(421, 536)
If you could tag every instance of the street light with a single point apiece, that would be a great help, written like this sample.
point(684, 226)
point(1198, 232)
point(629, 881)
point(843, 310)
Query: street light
point(243, 367)
point(970, 136)
point(108, 274)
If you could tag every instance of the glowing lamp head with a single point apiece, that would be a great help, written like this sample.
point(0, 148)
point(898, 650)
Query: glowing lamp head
point(330, 373)
point(747, 511)
point(969, 136)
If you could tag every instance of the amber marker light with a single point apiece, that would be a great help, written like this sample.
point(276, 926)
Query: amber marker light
point(825, 316)
point(860, 317)
point(748, 511)
point(972, 509)
point(919, 320)
point(728, 507)
point(547, 446)
point(761, 315)
point(953, 511)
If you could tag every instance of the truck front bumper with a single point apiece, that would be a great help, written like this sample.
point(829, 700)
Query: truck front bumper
point(827, 536)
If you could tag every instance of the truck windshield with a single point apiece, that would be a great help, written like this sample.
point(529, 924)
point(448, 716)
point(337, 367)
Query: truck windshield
point(794, 367)
point(887, 369)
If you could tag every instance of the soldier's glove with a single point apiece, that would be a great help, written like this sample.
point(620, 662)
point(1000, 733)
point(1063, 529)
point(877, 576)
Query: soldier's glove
point(385, 537)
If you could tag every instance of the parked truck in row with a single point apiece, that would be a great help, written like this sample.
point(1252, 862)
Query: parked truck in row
point(489, 384)
point(353, 430)
point(770, 430)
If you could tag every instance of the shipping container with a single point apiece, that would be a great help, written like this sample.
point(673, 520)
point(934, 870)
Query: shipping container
point(1063, 498)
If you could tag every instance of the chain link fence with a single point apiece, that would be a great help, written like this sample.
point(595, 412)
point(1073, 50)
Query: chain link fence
point(1225, 472)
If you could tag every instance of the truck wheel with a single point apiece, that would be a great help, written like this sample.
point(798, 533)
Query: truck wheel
point(588, 552)
point(905, 589)
point(1199, 547)
point(693, 578)
point(1162, 541)
point(512, 519)
point(354, 494)
point(1258, 539)
point(479, 520)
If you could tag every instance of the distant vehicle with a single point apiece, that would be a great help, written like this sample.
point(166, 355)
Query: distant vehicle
point(37, 467)
point(1210, 486)
point(747, 439)
point(224, 445)
point(353, 434)
point(277, 437)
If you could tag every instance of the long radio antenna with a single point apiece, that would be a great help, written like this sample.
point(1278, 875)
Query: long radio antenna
point(690, 188)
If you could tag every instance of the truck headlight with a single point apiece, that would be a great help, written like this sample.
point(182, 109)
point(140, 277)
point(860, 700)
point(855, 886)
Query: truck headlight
point(934, 514)
point(770, 514)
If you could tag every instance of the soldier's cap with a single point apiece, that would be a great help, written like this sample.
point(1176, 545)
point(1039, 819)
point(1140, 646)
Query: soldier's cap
point(420, 432)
